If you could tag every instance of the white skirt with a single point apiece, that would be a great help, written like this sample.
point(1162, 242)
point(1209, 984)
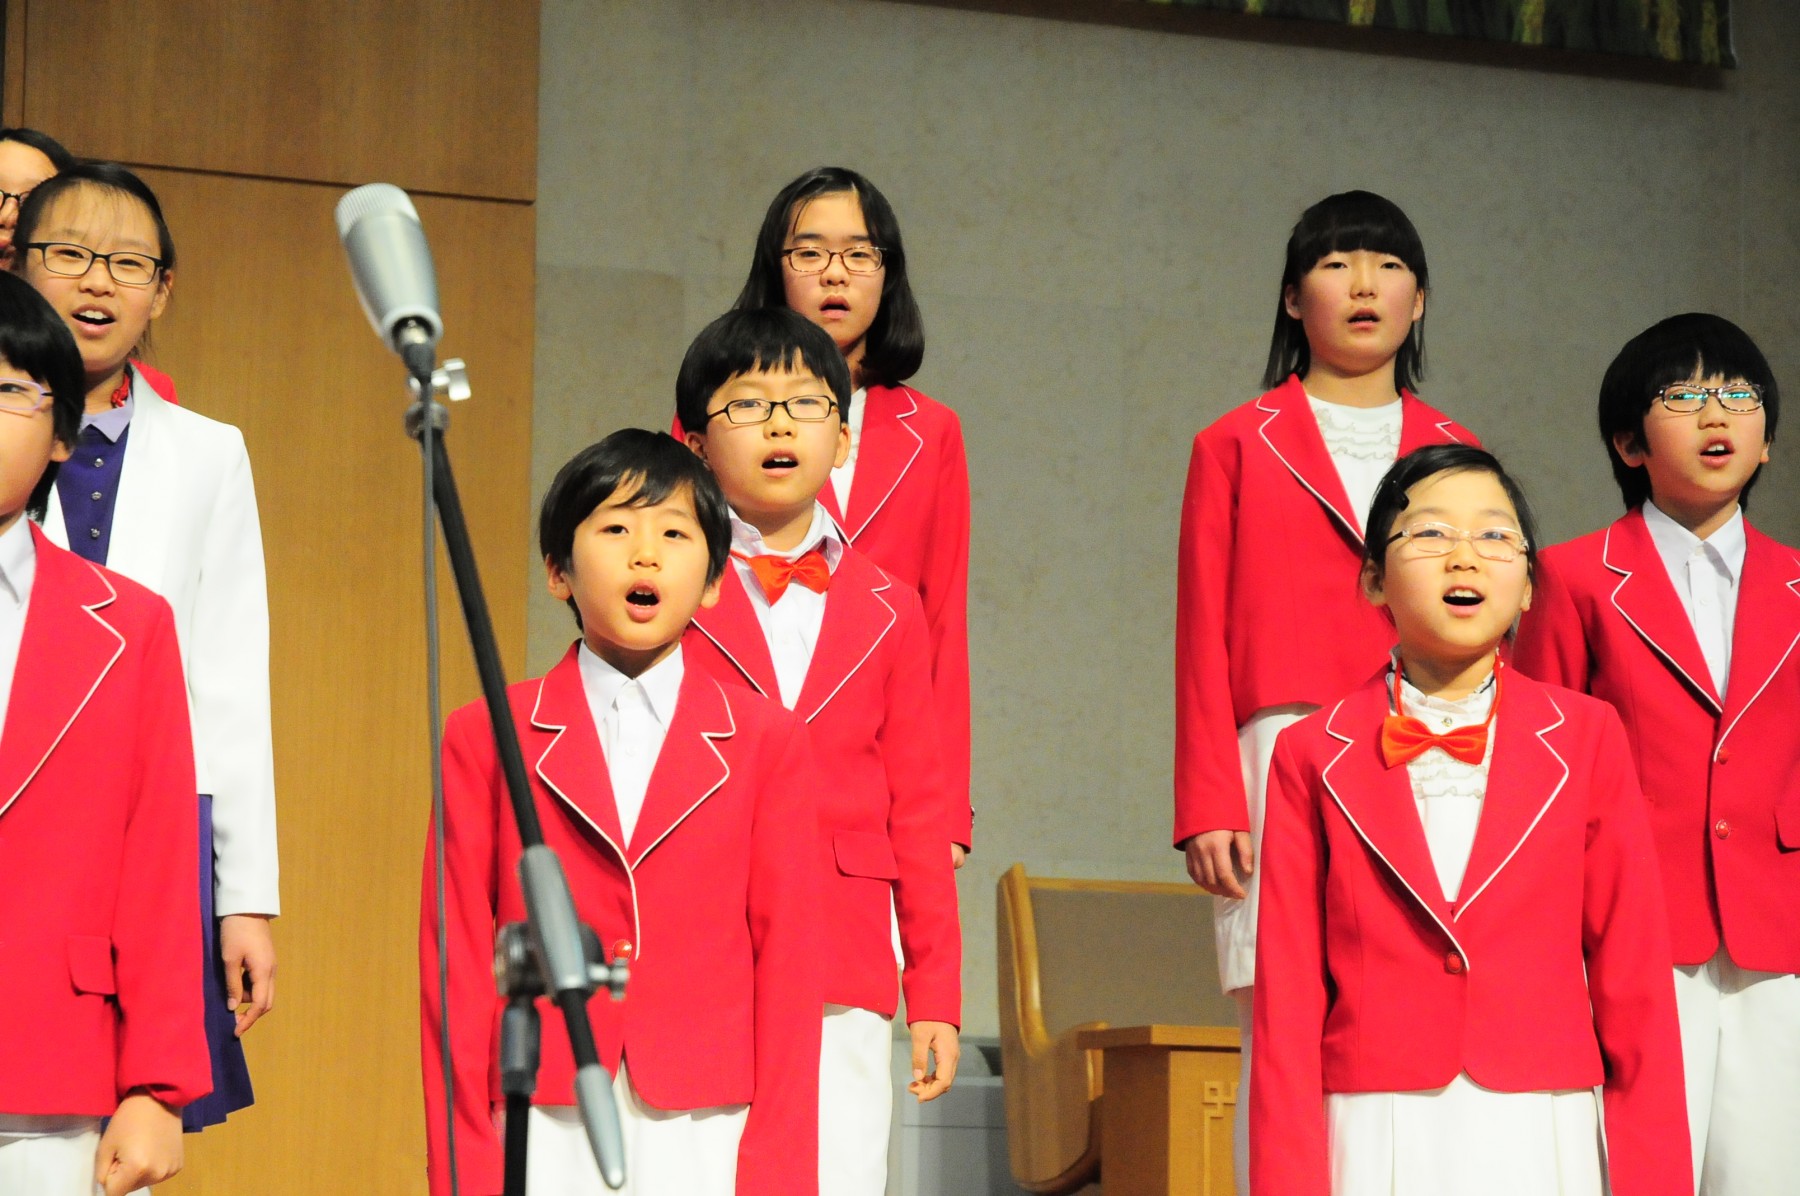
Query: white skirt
point(1465, 1140)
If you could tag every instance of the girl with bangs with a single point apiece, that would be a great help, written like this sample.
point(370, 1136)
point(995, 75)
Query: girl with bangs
point(1269, 620)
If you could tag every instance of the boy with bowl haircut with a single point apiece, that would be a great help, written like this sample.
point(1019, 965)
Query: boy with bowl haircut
point(804, 617)
point(1687, 619)
point(673, 802)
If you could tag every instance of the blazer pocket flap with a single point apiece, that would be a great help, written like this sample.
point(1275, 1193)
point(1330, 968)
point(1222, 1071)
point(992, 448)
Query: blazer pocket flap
point(1787, 821)
point(91, 964)
point(861, 853)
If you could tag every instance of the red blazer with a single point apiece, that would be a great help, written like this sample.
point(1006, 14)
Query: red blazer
point(723, 1003)
point(1367, 980)
point(909, 512)
point(99, 841)
point(1719, 771)
point(1268, 607)
point(867, 702)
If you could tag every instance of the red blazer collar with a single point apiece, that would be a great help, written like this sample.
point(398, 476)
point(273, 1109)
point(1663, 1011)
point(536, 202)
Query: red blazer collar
point(1646, 599)
point(66, 650)
point(887, 449)
point(1766, 631)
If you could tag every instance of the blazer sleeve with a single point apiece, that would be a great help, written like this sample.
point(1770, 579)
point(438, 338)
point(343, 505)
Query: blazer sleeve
point(925, 892)
point(473, 791)
point(1288, 1141)
point(944, 591)
point(778, 1154)
point(156, 923)
point(1209, 779)
point(228, 681)
point(1625, 937)
point(1552, 643)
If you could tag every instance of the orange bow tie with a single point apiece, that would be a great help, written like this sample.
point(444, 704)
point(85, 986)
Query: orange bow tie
point(1403, 737)
point(775, 572)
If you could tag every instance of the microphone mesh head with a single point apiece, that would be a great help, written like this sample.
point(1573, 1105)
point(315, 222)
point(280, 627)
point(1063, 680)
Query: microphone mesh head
point(369, 199)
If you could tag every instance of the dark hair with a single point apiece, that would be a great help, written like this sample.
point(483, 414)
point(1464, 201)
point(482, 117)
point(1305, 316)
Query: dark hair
point(658, 465)
point(895, 344)
point(1344, 223)
point(747, 339)
point(108, 176)
point(35, 341)
point(44, 144)
point(1694, 344)
point(1422, 463)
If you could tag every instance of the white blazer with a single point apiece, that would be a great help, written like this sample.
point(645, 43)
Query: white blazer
point(185, 525)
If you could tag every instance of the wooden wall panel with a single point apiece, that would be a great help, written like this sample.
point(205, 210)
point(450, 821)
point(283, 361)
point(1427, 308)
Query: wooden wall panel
point(432, 95)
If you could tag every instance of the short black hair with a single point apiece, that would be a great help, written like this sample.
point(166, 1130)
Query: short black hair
point(107, 176)
point(895, 344)
point(1693, 344)
point(44, 144)
point(1422, 463)
point(1344, 223)
point(748, 339)
point(35, 341)
point(655, 463)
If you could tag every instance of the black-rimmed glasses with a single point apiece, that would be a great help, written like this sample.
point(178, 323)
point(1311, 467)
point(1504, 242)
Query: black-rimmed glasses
point(17, 197)
point(805, 409)
point(74, 261)
point(813, 259)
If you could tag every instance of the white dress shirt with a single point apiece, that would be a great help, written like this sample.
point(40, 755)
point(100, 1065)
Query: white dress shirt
point(791, 626)
point(842, 475)
point(633, 715)
point(18, 569)
point(1363, 443)
point(1449, 792)
point(1705, 574)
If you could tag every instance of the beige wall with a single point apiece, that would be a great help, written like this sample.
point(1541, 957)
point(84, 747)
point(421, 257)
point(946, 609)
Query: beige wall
point(1095, 218)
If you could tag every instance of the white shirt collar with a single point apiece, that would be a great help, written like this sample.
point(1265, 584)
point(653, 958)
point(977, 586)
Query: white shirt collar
point(822, 533)
point(661, 682)
point(18, 562)
point(1675, 543)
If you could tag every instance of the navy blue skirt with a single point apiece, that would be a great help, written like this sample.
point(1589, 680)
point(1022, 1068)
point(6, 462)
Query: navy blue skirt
point(230, 1074)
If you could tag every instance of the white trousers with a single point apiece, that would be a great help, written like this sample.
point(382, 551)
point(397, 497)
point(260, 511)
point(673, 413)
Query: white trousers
point(1740, 1050)
point(856, 1101)
point(667, 1153)
point(51, 1164)
point(1240, 1114)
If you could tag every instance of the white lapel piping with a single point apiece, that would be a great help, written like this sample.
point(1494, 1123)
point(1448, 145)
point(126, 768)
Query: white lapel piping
point(893, 618)
point(1444, 426)
point(637, 928)
point(1625, 575)
point(93, 613)
point(1325, 775)
point(726, 652)
point(918, 447)
point(1462, 907)
point(709, 736)
point(1793, 588)
point(1262, 431)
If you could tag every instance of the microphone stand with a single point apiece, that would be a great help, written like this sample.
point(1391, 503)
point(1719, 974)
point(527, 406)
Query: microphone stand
point(553, 954)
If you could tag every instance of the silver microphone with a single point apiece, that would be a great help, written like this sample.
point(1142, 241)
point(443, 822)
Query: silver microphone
point(391, 265)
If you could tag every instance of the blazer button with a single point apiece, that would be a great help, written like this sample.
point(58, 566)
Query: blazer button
point(1722, 829)
point(1724, 756)
point(1453, 963)
point(622, 949)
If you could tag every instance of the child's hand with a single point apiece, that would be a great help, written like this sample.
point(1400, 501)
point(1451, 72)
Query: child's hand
point(141, 1146)
point(247, 946)
point(1209, 861)
point(939, 1039)
point(957, 855)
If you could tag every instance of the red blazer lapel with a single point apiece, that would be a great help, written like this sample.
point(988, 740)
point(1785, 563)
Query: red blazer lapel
point(1292, 434)
point(690, 768)
point(1766, 629)
point(888, 448)
point(858, 616)
point(1646, 598)
point(1525, 774)
point(571, 765)
point(732, 626)
point(65, 652)
point(1378, 800)
point(1421, 425)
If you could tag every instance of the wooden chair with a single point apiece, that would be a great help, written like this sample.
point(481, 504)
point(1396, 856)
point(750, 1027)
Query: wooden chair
point(1080, 955)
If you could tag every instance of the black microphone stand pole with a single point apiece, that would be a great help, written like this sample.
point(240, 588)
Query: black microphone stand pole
point(553, 954)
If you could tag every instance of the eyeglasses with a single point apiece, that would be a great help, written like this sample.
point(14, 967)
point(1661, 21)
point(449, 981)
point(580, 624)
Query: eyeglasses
point(1684, 398)
point(806, 409)
point(21, 396)
point(16, 196)
point(1440, 539)
point(813, 259)
point(74, 261)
